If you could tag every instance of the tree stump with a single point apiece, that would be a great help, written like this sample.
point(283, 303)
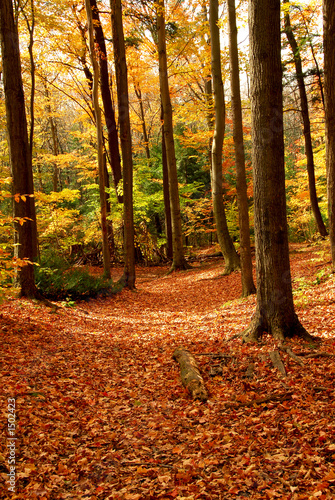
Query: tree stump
point(190, 374)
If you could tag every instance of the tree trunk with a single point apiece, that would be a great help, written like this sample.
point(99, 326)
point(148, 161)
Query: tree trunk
point(306, 124)
point(179, 261)
point(275, 309)
point(101, 156)
point(113, 144)
point(19, 150)
point(329, 79)
point(144, 128)
point(232, 260)
point(166, 194)
point(126, 145)
point(248, 286)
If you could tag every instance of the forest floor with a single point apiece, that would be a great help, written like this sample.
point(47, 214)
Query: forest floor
point(100, 411)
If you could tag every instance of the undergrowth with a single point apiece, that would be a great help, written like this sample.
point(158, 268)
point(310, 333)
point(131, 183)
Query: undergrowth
point(56, 279)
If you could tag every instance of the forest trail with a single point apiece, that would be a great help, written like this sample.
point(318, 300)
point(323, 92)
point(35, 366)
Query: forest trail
point(101, 412)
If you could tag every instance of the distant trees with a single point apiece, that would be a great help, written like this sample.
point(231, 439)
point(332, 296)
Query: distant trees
point(248, 286)
point(305, 118)
point(20, 151)
point(329, 79)
point(231, 257)
point(275, 309)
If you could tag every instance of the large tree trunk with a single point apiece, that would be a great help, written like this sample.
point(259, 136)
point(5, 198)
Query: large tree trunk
point(113, 144)
point(329, 69)
point(248, 286)
point(126, 144)
point(275, 309)
point(232, 260)
point(306, 124)
point(101, 156)
point(19, 149)
point(179, 261)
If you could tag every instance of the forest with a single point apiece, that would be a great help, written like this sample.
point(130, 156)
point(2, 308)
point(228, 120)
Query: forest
point(167, 249)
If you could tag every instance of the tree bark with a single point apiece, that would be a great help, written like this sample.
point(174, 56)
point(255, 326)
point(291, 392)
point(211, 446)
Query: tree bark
point(166, 194)
point(329, 79)
point(306, 124)
point(179, 261)
point(126, 144)
point(248, 286)
point(112, 136)
point(19, 150)
point(190, 374)
point(101, 156)
point(275, 309)
point(231, 258)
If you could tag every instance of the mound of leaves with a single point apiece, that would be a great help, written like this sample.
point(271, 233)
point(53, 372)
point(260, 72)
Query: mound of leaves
point(57, 280)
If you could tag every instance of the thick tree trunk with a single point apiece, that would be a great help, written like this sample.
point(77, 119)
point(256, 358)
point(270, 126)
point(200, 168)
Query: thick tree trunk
point(179, 261)
point(126, 144)
point(275, 309)
point(19, 150)
point(101, 156)
point(232, 260)
point(329, 68)
point(190, 374)
point(113, 144)
point(248, 286)
point(306, 125)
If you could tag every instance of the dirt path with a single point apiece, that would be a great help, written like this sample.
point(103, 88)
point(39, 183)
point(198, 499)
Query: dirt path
point(101, 413)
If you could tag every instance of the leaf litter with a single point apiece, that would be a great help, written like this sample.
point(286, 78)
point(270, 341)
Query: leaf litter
point(101, 412)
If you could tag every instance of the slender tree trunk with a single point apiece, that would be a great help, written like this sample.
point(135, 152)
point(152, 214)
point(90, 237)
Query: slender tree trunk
point(19, 149)
point(317, 66)
point(179, 261)
point(306, 124)
point(144, 128)
point(232, 260)
point(275, 309)
point(126, 144)
point(248, 286)
point(31, 28)
point(166, 193)
point(329, 79)
point(101, 156)
point(113, 144)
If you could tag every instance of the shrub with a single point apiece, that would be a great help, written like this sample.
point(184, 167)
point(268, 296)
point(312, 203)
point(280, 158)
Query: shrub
point(57, 280)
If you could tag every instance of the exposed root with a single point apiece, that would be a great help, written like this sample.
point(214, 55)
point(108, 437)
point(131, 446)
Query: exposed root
point(279, 331)
point(184, 266)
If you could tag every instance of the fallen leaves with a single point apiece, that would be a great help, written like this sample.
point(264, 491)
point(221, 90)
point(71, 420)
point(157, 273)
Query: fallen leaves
point(101, 411)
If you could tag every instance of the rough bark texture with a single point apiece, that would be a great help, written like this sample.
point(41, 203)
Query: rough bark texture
point(275, 309)
point(231, 258)
point(126, 143)
point(190, 374)
point(166, 194)
point(178, 261)
point(248, 286)
point(306, 125)
point(113, 144)
point(329, 79)
point(101, 157)
point(19, 149)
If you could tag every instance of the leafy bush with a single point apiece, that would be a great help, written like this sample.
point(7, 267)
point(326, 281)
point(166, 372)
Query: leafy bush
point(57, 280)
